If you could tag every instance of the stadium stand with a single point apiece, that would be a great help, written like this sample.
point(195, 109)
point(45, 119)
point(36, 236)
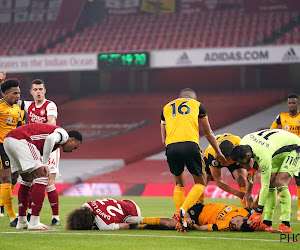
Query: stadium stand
point(115, 126)
point(30, 37)
point(226, 28)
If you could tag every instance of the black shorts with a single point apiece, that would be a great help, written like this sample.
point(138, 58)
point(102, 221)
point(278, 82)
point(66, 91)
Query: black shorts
point(231, 167)
point(195, 211)
point(187, 154)
point(4, 162)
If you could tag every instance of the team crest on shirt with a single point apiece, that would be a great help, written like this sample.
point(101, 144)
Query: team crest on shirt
point(6, 163)
point(9, 120)
point(42, 112)
point(286, 127)
point(228, 209)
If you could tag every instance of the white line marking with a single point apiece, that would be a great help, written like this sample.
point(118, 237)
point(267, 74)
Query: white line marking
point(138, 235)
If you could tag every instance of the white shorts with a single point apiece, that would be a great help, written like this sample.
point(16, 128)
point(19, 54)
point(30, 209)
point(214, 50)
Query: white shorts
point(24, 156)
point(53, 163)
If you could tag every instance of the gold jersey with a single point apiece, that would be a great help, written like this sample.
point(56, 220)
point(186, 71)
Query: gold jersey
point(10, 118)
point(210, 152)
point(181, 120)
point(288, 123)
point(218, 215)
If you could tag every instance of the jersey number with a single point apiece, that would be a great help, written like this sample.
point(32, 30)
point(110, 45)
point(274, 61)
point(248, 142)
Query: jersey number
point(110, 209)
point(182, 109)
point(267, 133)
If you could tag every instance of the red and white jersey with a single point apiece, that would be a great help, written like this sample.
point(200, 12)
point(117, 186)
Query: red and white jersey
point(37, 133)
point(110, 212)
point(39, 114)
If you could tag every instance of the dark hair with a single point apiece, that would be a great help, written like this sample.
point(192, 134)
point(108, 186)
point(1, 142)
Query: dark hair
point(77, 135)
point(245, 227)
point(186, 93)
point(226, 147)
point(240, 152)
point(80, 219)
point(37, 81)
point(293, 95)
point(9, 83)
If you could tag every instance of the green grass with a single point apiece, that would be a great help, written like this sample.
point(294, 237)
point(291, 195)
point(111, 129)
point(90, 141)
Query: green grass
point(140, 239)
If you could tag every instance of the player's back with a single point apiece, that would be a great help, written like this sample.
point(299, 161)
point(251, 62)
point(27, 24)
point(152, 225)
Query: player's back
point(181, 117)
point(270, 140)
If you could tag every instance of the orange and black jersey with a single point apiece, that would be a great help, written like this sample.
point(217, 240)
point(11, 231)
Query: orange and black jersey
point(180, 117)
point(216, 215)
point(210, 153)
point(288, 122)
point(10, 118)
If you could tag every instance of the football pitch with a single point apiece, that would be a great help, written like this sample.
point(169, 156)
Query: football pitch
point(142, 239)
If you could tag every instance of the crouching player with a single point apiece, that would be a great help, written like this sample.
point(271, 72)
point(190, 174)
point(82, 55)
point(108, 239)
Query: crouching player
point(105, 214)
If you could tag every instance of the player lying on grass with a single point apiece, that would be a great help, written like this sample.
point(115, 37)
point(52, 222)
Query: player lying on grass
point(110, 214)
point(102, 214)
point(209, 217)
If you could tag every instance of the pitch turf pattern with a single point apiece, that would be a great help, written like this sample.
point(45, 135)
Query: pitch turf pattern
point(140, 239)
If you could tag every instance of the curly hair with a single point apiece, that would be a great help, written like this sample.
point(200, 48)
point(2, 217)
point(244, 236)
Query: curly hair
point(80, 219)
point(246, 227)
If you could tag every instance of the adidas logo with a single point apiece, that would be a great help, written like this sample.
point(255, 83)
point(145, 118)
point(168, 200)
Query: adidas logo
point(290, 55)
point(183, 59)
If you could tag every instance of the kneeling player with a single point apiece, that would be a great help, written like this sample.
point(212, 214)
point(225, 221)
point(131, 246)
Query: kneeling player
point(105, 214)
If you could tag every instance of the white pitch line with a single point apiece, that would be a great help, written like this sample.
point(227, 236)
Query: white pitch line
point(138, 235)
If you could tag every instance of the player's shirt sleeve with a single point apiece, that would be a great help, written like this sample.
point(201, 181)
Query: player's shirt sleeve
point(26, 105)
point(162, 118)
point(51, 109)
point(213, 163)
point(202, 111)
point(64, 135)
point(276, 123)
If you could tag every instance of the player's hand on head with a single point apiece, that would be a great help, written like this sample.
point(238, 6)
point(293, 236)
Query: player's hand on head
point(254, 220)
point(2, 77)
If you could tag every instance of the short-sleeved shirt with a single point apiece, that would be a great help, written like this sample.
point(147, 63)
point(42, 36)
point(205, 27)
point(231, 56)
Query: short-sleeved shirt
point(39, 114)
point(216, 215)
point(267, 146)
point(110, 212)
point(10, 118)
point(180, 117)
point(288, 123)
point(210, 153)
point(37, 133)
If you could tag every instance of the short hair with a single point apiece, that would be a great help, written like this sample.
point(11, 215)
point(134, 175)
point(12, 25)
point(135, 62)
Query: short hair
point(76, 134)
point(9, 83)
point(80, 219)
point(187, 93)
point(245, 227)
point(293, 95)
point(226, 147)
point(240, 152)
point(37, 81)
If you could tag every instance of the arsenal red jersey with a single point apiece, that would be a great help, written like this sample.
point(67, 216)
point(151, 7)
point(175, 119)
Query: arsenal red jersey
point(38, 114)
point(109, 212)
point(37, 133)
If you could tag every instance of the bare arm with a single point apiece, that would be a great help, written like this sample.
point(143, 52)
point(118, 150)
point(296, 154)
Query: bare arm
point(218, 178)
point(2, 77)
point(201, 228)
point(163, 133)
point(209, 134)
point(51, 119)
point(123, 226)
